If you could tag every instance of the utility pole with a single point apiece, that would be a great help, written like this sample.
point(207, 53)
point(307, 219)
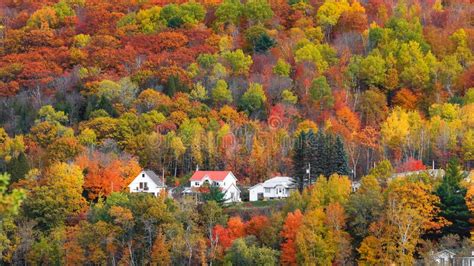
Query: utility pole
point(308, 171)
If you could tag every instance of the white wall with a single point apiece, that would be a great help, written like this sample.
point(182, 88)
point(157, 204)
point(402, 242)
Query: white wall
point(152, 187)
point(254, 191)
point(229, 185)
point(228, 180)
point(236, 194)
point(274, 192)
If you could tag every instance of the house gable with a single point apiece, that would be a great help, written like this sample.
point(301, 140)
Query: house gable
point(148, 182)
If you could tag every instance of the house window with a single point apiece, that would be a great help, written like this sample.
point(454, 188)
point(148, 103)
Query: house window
point(232, 195)
point(267, 190)
point(215, 183)
point(143, 175)
point(143, 185)
point(196, 184)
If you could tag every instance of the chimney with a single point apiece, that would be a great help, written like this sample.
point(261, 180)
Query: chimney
point(197, 167)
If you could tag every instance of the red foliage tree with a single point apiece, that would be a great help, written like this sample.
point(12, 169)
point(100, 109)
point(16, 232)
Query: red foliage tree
point(226, 235)
point(411, 165)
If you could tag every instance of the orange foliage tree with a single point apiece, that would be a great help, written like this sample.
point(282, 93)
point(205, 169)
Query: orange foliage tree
point(288, 248)
point(104, 175)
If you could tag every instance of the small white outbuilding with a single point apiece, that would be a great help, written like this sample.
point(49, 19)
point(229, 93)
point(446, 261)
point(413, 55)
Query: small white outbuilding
point(275, 188)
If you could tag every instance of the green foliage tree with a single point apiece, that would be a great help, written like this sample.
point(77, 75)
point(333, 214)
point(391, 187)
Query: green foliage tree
point(18, 167)
point(59, 198)
point(229, 11)
point(246, 252)
point(254, 98)
point(178, 15)
point(329, 13)
point(257, 11)
point(371, 69)
point(321, 92)
point(289, 97)
point(238, 61)
point(364, 207)
point(282, 68)
point(382, 171)
point(221, 94)
point(322, 55)
point(9, 207)
point(48, 114)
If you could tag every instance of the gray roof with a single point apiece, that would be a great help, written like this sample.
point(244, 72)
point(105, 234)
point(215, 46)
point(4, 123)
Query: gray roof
point(158, 181)
point(285, 181)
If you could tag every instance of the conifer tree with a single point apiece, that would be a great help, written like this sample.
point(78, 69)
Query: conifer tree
point(328, 155)
point(215, 194)
point(318, 162)
point(339, 158)
point(301, 157)
point(453, 204)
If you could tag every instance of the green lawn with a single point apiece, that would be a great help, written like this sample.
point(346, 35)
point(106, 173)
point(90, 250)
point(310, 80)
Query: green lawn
point(255, 204)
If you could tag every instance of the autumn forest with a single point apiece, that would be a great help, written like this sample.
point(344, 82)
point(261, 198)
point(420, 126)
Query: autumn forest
point(367, 104)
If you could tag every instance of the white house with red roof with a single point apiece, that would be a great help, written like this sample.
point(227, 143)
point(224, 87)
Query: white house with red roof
point(225, 180)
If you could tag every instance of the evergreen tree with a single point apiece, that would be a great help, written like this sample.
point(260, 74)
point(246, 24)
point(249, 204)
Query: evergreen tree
point(318, 160)
point(301, 158)
point(453, 204)
point(171, 86)
point(328, 155)
point(263, 43)
point(174, 85)
point(214, 194)
point(18, 167)
point(104, 104)
point(339, 158)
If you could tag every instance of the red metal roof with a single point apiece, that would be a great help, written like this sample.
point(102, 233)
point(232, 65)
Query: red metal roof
point(213, 175)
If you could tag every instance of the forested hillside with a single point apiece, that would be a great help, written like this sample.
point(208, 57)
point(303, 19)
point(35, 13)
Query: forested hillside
point(93, 91)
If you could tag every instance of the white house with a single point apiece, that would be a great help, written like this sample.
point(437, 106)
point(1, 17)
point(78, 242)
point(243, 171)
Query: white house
point(444, 257)
point(147, 182)
point(225, 180)
point(355, 185)
point(275, 188)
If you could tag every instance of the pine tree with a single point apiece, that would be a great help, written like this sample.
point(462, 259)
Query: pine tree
point(18, 167)
point(214, 194)
point(172, 85)
point(328, 155)
point(453, 204)
point(310, 141)
point(318, 160)
point(301, 159)
point(339, 158)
